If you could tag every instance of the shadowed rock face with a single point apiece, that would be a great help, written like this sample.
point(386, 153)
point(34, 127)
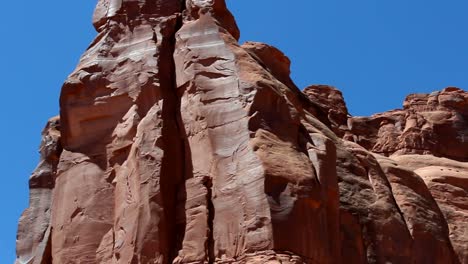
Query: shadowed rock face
point(175, 144)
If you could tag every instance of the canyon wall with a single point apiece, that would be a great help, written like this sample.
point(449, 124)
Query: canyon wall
point(176, 144)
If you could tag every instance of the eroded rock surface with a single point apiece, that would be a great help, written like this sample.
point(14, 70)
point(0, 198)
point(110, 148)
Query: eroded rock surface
point(175, 144)
point(34, 230)
point(331, 101)
point(435, 124)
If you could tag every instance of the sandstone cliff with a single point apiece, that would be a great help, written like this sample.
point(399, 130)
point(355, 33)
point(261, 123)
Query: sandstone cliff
point(175, 144)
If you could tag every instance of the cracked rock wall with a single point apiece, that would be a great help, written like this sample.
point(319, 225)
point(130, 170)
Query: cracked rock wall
point(176, 144)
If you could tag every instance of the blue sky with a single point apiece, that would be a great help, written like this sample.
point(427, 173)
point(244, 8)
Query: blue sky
point(375, 51)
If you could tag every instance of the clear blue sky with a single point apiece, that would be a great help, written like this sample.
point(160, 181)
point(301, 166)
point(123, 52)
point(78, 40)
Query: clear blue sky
point(375, 51)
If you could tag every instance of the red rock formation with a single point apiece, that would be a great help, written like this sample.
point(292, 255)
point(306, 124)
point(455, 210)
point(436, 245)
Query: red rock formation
point(182, 146)
point(330, 100)
point(420, 185)
point(434, 124)
point(34, 230)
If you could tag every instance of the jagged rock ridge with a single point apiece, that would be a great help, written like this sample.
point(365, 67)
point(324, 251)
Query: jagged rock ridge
point(175, 144)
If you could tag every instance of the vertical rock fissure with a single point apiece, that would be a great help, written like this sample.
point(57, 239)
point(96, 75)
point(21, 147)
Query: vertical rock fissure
point(211, 214)
point(188, 174)
point(47, 257)
point(169, 183)
point(174, 116)
point(179, 233)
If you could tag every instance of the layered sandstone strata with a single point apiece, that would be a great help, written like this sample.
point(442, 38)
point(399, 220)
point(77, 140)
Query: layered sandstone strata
point(175, 144)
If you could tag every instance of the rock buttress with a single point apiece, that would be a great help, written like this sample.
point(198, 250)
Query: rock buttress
point(245, 137)
point(117, 180)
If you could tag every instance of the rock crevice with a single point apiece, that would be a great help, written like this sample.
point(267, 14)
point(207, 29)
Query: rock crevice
point(175, 144)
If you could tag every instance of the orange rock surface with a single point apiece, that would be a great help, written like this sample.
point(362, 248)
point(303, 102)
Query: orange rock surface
point(176, 144)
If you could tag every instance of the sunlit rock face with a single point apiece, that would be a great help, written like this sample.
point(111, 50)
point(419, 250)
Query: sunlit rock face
point(176, 144)
point(435, 123)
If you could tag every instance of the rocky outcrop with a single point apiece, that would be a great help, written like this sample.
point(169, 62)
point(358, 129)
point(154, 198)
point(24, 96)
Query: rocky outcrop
point(178, 145)
point(435, 123)
point(428, 125)
point(447, 181)
point(34, 230)
point(330, 101)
